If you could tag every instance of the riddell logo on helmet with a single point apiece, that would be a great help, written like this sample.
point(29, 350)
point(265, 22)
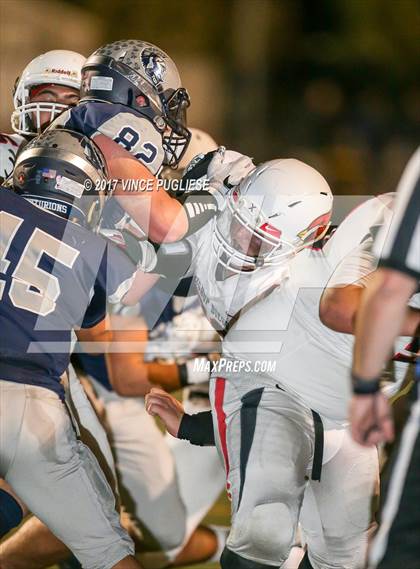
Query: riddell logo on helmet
point(61, 72)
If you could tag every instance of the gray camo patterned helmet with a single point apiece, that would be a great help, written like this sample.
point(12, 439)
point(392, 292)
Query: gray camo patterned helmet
point(141, 76)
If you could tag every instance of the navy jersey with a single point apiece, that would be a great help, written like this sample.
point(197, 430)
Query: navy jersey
point(54, 276)
point(124, 125)
point(95, 366)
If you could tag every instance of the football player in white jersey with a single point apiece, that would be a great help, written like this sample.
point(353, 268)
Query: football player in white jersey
point(268, 422)
point(48, 85)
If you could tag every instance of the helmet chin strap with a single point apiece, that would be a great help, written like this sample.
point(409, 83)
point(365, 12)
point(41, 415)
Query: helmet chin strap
point(90, 213)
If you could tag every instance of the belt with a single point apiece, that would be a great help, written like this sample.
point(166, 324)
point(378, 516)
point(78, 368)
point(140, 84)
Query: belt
point(319, 447)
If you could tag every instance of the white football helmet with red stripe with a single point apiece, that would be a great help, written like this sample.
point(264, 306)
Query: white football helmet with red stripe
point(277, 210)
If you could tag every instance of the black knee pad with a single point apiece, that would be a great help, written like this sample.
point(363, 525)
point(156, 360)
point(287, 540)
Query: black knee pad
point(70, 563)
point(10, 512)
point(305, 563)
point(230, 560)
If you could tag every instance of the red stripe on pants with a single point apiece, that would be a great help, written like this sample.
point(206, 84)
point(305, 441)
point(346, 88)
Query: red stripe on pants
point(221, 422)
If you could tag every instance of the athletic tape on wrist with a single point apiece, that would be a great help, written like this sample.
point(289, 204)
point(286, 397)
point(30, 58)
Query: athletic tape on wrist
point(365, 386)
point(197, 429)
point(199, 207)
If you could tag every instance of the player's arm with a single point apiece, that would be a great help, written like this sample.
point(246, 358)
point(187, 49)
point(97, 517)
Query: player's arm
point(141, 284)
point(342, 297)
point(171, 260)
point(96, 338)
point(197, 429)
point(380, 318)
point(132, 376)
point(162, 218)
point(339, 306)
point(126, 276)
point(129, 374)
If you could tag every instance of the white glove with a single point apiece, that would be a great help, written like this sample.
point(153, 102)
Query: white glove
point(229, 164)
point(141, 252)
point(227, 167)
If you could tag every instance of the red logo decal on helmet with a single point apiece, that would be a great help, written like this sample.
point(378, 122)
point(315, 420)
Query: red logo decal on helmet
point(319, 224)
point(271, 230)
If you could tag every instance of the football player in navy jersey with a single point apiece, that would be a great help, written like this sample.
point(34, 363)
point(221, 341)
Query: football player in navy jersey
point(167, 497)
point(148, 112)
point(131, 92)
point(56, 275)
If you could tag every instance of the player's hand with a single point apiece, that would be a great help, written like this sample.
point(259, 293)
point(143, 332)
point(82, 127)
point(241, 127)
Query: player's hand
point(371, 419)
point(229, 164)
point(163, 405)
point(227, 168)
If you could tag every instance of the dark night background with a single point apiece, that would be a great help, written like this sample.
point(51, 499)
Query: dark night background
point(333, 82)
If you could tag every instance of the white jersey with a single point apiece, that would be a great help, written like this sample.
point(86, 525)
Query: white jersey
point(9, 146)
point(223, 296)
point(306, 358)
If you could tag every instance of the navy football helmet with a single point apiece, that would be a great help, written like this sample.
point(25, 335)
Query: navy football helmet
point(64, 172)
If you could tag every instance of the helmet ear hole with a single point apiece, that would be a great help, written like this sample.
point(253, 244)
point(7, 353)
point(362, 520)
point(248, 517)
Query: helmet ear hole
point(142, 101)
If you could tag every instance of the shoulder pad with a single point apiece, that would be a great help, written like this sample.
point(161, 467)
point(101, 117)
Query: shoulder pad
point(134, 132)
point(9, 147)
